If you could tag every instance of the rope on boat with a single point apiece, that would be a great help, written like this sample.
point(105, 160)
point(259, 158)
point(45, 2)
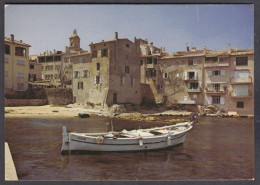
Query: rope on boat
point(100, 139)
point(36, 148)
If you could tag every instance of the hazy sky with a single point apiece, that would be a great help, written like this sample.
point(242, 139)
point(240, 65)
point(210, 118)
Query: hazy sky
point(48, 27)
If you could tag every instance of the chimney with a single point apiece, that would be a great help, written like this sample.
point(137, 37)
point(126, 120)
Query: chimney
point(151, 43)
point(21, 41)
point(116, 35)
point(204, 50)
point(193, 49)
point(187, 48)
point(135, 39)
point(54, 51)
point(229, 48)
point(12, 37)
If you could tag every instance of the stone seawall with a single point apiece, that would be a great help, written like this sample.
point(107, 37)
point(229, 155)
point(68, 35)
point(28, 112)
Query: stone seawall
point(25, 102)
point(59, 96)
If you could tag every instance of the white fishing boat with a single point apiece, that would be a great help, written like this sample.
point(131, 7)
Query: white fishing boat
point(134, 140)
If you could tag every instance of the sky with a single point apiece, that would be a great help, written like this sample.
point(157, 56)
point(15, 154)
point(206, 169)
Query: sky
point(48, 27)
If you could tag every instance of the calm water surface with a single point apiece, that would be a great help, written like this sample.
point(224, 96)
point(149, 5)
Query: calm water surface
point(216, 148)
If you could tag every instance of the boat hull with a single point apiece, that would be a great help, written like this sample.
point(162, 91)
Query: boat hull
point(91, 142)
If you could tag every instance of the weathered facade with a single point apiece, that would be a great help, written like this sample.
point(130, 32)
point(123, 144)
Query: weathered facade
point(113, 74)
point(16, 65)
point(56, 65)
point(182, 75)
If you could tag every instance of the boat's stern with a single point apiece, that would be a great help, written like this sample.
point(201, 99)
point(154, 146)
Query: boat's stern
point(65, 149)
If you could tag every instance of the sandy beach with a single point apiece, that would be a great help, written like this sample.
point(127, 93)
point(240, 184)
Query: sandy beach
point(73, 111)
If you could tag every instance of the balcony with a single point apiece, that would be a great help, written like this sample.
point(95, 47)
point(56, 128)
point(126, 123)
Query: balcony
point(242, 80)
point(191, 90)
point(215, 91)
point(249, 95)
point(150, 66)
point(216, 64)
point(190, 78)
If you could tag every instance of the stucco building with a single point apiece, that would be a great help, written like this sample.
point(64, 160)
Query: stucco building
point(56, 65)
point(182, 75)
point(109, 74)
point(16, 65)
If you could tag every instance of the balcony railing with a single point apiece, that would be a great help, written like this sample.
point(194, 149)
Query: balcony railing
point(194, 90)
point(233, 95)
point(191, 78)
point(216, 64)
point(216, 90)
point(241, 80)
point(150, 66)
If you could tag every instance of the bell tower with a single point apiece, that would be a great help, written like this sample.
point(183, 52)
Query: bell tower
point(74, 41)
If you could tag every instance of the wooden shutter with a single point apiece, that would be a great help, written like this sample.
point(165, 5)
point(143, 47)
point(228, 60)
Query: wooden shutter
point(222, 100)
point(100, 79)
point(209, 98)
point(210, 73)
point(222, 72)
point(95, 79)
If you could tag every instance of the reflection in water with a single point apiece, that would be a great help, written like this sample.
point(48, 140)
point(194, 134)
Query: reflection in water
point(214, 149)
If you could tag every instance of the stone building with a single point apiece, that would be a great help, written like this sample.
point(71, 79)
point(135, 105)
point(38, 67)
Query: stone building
point(182, 77)
point(150, 82)
point(56, 65)
point(35, 69)
point(229, 80)
point(241, 95)
point(110, 76)
point(16, 65)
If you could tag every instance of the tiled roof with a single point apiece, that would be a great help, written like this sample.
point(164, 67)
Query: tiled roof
point(8, 40)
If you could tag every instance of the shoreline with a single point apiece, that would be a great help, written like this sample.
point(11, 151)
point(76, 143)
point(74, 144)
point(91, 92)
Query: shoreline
point(165, 116)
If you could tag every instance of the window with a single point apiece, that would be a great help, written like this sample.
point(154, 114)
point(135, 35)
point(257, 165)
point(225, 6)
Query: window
point(85, 73)
point(20, 75)
point(216, 72)
point(6, 73)
point(240, 104)
point(191, 75)
point(94, 54)
point(127, 45)
point(159, 86)
point(195, 96)
point(216, 87)
point(98, 66)
point(32, 77)
point(241, 61)
point(97, 80)
point(76, 74)
point(194, 85)
point(19, 51)
point(57, 58)
point(41, 59)
point(104, 53)
point(149, 60)
point(20, 62)
point(126, 69)
point(165, 75)
point(190, 62)
point(152, 72)
point(132, 81)
point(80, 85)
point(49, 59)
point(165, 64)
point(31, 66)
point(216, 99)
point(42, 68)
point(6, 60)
point(7, 49)
point(141, 62)
point(213, 59)
point(122, 80)
point(155, 60)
